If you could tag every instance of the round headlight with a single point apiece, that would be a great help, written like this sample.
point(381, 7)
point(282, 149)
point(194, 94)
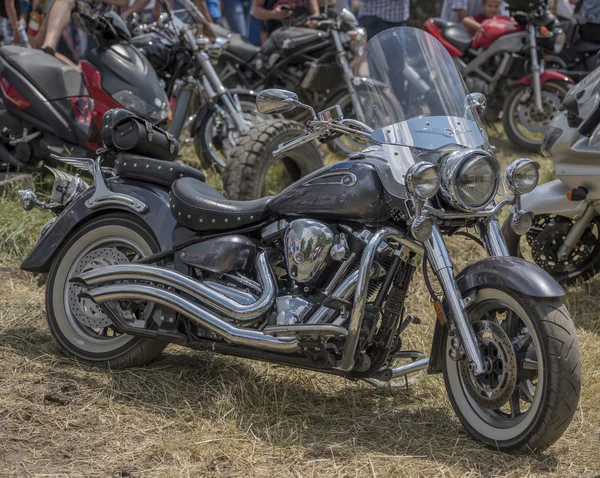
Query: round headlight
point(560, 38)
point(423, 180)
point(470, 179)
point(522, 175)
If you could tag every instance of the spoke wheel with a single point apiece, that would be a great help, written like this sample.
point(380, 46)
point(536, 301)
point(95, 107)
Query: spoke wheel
point(518, 404)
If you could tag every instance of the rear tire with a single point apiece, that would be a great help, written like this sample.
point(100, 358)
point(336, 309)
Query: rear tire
point(246, 176)
point(547, 368)
point(74, 338)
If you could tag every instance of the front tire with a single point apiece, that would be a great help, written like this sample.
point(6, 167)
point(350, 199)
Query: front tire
point(79, 327)
point(253, 172)
point(524, 126)
point(542, 357)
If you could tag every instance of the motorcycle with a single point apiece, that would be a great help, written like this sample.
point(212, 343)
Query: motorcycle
point(52, 108)
point(503, 61)
point(315, 63)
point(578, 58)
point(565, 236)
point(317, 276)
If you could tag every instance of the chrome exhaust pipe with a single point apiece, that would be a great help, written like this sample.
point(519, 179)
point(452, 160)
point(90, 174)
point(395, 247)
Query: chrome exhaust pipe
point(246, 313)
point(203, 317)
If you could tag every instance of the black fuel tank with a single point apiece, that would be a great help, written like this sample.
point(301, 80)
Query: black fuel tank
point(346, 191)
point(125, 67)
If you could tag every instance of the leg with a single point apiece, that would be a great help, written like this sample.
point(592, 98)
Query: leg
point(234, 12)
point(375, 25)
point(54, 24)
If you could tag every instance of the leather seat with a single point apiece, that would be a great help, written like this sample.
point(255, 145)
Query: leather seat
point(242, 48)
point(199, 207)
point(154, 171)
point(456, 35)
point(587, 47)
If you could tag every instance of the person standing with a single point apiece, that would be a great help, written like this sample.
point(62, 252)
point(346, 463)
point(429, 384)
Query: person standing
point(13, 27)
point(588, 17)
point(237, 13)
point(376, 16)
point(456, 10)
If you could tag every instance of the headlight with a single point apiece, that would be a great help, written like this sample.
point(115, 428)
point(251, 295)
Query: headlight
point(560, 38)
point(469, 179)
point(155, 113)
point(358, 40)
point(423, 180)
point(522, 175)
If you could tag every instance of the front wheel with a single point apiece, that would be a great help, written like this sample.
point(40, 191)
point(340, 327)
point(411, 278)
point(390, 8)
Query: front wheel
point(543, 241)
point(253, 172)
point(529, 395)
point(215, 135)
point(525, 126)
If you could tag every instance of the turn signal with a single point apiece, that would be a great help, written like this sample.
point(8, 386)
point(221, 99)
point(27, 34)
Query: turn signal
point(577, 194)
point(545, 32)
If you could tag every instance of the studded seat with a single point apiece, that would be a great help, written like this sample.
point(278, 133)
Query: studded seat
point(199, 207)
point(153, 170)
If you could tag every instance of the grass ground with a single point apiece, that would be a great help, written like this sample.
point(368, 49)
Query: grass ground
point(196, 414)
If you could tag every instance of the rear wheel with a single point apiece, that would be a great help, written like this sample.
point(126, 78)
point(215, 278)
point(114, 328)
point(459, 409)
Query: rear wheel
point(528, 397)
point(79, 326)
point(524, 125)
point(253, 172)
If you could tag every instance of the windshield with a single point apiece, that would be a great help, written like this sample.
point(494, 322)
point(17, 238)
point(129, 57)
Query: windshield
point(413, 95)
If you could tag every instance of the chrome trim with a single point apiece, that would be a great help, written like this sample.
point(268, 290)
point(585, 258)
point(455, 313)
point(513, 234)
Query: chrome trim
point(203, 317)
point(440, 261)
point(343, 291)
point(405, 369)
point(318, 330)
point(466, 215)
point(513, 168)
point(103, 196)
point(360, 294)
point(351, 181)
point(198, 290)
point(492, 237)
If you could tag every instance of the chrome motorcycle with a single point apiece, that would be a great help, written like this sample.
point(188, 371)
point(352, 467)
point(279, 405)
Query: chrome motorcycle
point(317, 277)
point(565, 237)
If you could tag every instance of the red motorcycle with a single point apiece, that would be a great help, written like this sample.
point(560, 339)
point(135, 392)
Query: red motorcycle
point(504, 61)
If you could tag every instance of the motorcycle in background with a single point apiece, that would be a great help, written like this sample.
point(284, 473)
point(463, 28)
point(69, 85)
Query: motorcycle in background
point(52, 108)
point(565, 235)
point(505, 62)
point(317, 276)
point(314, 63)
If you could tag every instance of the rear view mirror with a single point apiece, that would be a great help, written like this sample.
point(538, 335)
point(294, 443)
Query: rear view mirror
point(273, 101)
point(478, 101)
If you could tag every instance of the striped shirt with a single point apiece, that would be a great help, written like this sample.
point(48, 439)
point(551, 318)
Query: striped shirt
point(389, 10)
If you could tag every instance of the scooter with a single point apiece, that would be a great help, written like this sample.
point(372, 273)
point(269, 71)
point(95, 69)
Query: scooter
point(565, 235)
point(52, 108)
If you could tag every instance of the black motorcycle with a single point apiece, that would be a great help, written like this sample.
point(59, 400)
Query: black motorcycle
point(314, 63)
point(317, 276)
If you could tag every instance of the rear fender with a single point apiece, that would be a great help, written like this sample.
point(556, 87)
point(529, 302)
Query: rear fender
point(545, 77)
point(157, 217)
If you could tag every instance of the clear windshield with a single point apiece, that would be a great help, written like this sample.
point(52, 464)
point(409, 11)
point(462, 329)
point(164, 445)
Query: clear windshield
point(413, 95)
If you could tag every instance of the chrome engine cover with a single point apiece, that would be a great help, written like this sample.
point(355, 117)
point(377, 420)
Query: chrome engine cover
point(307, 245)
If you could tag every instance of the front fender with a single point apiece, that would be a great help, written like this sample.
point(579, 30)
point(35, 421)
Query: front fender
point(157, 217)
point(545, 77)
point(510, 272)
point(207, 107)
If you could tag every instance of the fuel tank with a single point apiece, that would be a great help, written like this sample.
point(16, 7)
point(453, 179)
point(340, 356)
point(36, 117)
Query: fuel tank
point(124, 68)
point(346, 191)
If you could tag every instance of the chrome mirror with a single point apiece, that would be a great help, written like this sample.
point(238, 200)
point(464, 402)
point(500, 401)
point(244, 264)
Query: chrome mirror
point(477, 101)
point(273, 101)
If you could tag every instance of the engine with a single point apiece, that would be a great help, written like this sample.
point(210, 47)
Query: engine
point(476, 85)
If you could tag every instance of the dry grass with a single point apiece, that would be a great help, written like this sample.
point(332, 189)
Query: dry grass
point(196, 414)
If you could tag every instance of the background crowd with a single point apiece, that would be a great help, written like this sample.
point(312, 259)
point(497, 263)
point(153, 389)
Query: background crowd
point(47, 24)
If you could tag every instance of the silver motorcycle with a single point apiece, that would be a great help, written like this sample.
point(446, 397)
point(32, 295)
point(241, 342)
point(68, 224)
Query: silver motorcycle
point(565, 235)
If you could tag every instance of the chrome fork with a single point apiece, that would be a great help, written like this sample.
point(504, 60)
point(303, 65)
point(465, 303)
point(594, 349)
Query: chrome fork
point(348, 75)
point(535, 67)
point(438, 257)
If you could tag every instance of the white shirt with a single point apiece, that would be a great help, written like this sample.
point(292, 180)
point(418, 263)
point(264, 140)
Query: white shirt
point(561, 8)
